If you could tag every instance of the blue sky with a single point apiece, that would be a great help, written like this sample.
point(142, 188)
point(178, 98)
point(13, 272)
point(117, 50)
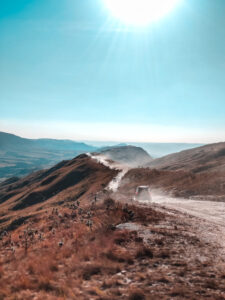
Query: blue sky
point(68, 69)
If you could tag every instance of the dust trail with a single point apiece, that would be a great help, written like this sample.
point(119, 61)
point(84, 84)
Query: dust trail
point(123, 169)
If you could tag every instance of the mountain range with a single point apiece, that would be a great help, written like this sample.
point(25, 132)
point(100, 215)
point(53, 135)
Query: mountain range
point(20, 156)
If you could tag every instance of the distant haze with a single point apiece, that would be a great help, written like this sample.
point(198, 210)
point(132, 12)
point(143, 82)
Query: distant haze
point(106, 132)
point(154, 149)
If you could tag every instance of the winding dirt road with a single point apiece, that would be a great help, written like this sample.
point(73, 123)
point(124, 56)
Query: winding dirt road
point(213, 212)
point(208, 217)
point(114, 184)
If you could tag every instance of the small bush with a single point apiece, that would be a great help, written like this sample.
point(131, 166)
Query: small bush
point(109, 202)
point(179, 291)
point(144, 252)
point(91, 270)
point(164, 254)
point(45, 285)
point(211, 284)
point(137, 295)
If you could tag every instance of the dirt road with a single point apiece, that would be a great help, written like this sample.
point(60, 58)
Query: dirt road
point(207, 217)
point(114, 184)
point(214, 212)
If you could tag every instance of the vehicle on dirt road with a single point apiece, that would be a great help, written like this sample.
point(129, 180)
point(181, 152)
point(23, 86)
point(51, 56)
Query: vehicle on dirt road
point(143, 194)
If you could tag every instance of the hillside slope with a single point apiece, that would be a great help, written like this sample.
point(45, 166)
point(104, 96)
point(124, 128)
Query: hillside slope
point(20, 156)
point(209, 158)
point(69, 180)
point(205, 186)
point(55, 247)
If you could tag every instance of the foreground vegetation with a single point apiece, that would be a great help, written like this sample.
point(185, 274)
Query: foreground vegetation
point(107, 250)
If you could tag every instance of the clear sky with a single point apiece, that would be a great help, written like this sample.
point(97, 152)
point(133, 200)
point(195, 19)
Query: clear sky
point(69, 69)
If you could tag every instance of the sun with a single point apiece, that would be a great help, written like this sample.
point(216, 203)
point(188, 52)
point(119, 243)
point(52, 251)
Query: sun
point(140, 12)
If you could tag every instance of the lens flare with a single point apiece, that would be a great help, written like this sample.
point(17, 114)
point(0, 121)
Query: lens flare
point(140, 12)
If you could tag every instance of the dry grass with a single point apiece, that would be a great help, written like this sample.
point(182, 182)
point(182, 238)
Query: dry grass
point(68, 259)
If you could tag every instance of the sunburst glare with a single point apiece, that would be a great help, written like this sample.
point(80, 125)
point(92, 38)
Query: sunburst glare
point(140, 12)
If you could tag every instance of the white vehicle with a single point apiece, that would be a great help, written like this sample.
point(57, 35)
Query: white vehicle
point(143, 194)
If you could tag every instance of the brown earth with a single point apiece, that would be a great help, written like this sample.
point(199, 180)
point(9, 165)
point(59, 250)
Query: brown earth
point(209, 158)
point(80, 178)
point(57, 243)
point(129, 252)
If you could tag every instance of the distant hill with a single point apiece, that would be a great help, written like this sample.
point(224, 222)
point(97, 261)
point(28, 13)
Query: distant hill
point(156, 150)
point(208, 158)
point(129, 155)
point(20, 156)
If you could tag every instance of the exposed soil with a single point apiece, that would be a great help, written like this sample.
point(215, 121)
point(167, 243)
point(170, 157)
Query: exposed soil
point(209, 217)
point(144, 255)
point(80, 243)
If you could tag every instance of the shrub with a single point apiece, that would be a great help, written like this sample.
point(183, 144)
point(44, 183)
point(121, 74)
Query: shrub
point(136, 295)
point(144, 252)
point(91, 270)
point(109, 202)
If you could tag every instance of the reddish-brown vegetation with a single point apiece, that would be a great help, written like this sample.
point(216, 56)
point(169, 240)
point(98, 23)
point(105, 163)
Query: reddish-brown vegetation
point(208, 158)
point(70, 244)
point(60, 256)
point(80, 178)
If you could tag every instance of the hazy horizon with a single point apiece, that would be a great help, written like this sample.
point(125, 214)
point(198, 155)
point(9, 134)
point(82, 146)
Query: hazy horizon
point(153, 148)
point(102, 142)
point(58, 131)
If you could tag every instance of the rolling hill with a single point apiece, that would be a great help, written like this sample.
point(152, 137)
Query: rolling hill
point(208, 158)
point(128, 155)
point(20, 156)
point(65, 182)
point(156, 150)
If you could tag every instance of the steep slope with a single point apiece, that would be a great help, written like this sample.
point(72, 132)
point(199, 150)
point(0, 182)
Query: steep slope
point(209, 158)
point(128, 155)
point(20, 156)
point(69, 180)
